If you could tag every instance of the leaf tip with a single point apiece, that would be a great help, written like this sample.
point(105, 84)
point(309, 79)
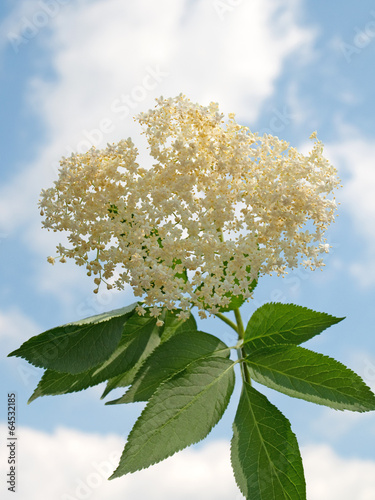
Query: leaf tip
point(112, 402)
point(116, 473)
point(340, 319)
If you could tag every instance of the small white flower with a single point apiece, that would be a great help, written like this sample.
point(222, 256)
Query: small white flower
point(140, 310)
point(324, 247)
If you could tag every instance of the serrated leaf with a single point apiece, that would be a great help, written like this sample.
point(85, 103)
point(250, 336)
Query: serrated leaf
point(277, 323)
point(265, 456)
point(139, 338)
point(122, 380)
point(173, 324)
point(181, 412)
point(170, 358)
point(308, 375)
point(98, 318)
point(76, 347)
point(127, 377)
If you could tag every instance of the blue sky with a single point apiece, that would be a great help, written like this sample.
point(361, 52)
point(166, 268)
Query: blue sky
point(287, 68)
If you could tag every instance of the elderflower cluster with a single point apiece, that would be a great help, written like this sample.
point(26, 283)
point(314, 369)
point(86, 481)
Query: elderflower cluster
point(220, 207)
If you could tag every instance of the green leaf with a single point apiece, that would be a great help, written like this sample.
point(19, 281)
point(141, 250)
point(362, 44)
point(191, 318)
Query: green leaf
point(173, 324)
point(170, 358)
point(308, 375)
point(181, 412)
point(139, 338)
point(127, 377)
point(76, 347)
point(53, 383)
point(122, 380)
point(277, 323)
point(265, 456)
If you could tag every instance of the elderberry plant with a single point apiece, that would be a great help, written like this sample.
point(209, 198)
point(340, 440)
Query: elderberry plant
point(219, 208)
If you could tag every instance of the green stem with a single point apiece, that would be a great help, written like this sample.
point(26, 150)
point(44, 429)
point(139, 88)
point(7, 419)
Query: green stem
point(239, 328)
point(245, 370)
point(227, 321)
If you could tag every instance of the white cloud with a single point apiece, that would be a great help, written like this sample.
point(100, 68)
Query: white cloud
point(22, 25)
point(335, 425)
point(363, 363)
point(15, 327)
point(73, 465)
point(354, 156)
point(331, 477)
point(69, 465)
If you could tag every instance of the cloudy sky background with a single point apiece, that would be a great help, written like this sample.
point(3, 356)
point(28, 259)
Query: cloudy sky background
point(73, 73)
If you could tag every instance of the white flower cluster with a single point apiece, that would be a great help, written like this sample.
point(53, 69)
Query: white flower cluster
point(220, 207)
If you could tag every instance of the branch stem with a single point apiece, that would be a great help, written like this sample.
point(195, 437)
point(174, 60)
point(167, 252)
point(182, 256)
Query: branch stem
point(241, 352)
point(239, 328)
point(227, 321)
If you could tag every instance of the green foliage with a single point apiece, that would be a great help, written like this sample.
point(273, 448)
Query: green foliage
point(122, 380)
point(169, 359)
point(187, 377)
point(140, 336)
point(78, 346)
point(265, 456)
point(308, 375)
point(181, 412)
point(277, 323)
point(173, 325)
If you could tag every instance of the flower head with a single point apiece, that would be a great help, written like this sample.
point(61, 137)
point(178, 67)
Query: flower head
point(220, 207)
